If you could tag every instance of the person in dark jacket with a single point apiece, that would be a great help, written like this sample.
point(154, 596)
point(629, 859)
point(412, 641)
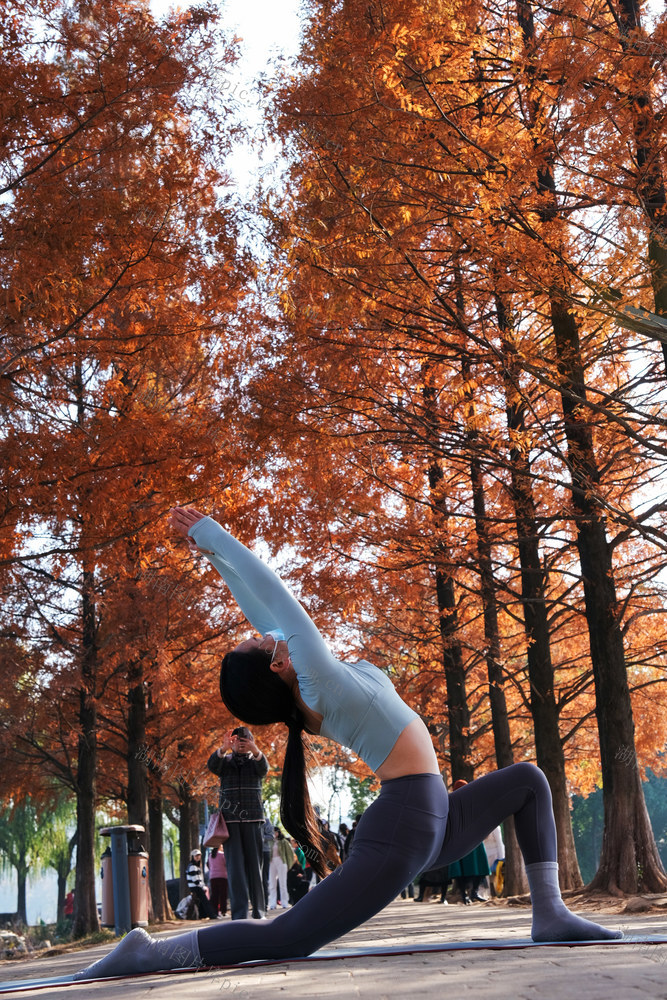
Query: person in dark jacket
point(430, 882)
point(297, 883)
point(241, 774)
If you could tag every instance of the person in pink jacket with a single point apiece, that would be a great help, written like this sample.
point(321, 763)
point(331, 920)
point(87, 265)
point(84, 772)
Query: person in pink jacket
point(217, 868)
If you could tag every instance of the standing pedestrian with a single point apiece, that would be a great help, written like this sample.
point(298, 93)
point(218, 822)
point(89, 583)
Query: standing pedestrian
point(300, 856)
point(217, 869)
point(267, 851)
point(347, 847)
point(282, 859)
point(343, 834)
point(68, 908)
point(241, 774)
point(495, 853)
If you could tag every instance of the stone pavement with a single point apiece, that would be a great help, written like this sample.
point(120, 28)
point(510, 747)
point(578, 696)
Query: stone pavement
point(629, 971)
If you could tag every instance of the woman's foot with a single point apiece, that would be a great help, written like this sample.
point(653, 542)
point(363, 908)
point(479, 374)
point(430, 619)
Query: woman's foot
point(563, 925)
point(552, 921)
point(138, 953)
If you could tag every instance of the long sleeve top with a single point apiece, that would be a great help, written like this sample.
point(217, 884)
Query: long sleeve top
point(241, 778)
point(194, 876)
point(300, 857)
point(217, 866)
point(285, 851)
point(267, 836)
point(360, 707)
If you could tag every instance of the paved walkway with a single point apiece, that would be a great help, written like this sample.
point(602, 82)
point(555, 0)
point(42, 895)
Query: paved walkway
point(629, 971)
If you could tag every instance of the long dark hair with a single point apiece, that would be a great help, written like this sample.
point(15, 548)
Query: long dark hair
point(255, 694)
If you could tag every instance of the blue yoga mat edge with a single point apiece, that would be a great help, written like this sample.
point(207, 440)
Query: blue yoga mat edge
point(26, 985)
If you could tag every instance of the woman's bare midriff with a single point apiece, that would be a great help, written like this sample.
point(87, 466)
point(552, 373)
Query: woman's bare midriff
point(412, 753)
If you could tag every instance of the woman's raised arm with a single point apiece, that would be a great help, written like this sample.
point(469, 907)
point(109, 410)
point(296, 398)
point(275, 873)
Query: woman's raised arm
point(258, 590)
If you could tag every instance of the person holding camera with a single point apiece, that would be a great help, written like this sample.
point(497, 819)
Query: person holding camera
point(241, 774)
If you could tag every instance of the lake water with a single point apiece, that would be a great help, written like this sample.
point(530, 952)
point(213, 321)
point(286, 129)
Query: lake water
point(41, 897)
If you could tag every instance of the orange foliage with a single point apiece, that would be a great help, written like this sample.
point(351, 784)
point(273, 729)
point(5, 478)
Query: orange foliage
point(416, 133)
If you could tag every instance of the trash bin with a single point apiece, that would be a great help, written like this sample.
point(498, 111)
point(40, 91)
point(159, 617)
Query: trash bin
point(128, 890)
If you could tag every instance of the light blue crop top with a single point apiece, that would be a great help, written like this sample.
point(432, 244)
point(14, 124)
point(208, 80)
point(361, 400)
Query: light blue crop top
point(359, 704)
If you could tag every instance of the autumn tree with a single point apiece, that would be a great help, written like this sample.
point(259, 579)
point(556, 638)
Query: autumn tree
point(626, 817)
point(443, 148)
point(23, 830)
point(117, 290)
point(59, 847)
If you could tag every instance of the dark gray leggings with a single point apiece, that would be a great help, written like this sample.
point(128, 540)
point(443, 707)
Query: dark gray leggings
point(412, 826)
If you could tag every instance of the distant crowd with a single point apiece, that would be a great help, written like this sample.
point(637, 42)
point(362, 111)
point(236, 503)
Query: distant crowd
point(258, 868)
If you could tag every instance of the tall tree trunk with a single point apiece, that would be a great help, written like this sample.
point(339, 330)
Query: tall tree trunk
point(187, 807)
point(499, 719)
point(458, 714)
point(194, 820)
point(629, 861)
point(86, 920)
point(515, 882)
point(515, 876)
point(156, 807)
point(158, 886)
point(647, 131)
point(137, 713)
point(85, 907)
point(21, 879)
point(544, 709)
point(137, 776)
point(137, 771)
point(62, 892)
point(137, 780)
point(62, 871)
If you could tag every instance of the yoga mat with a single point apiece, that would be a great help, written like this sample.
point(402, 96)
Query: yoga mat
point(24, 986)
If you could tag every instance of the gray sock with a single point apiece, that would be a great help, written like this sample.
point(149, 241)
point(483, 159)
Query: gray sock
point(552, 921)
point(138, 952)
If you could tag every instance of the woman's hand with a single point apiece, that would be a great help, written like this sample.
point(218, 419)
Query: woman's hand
point(182, 519)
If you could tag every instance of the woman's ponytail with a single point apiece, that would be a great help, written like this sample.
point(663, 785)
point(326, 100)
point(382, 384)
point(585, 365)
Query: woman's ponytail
point(296, 810)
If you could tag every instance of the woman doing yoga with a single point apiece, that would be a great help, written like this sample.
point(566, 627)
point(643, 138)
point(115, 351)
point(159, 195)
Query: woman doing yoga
point(288, 674)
